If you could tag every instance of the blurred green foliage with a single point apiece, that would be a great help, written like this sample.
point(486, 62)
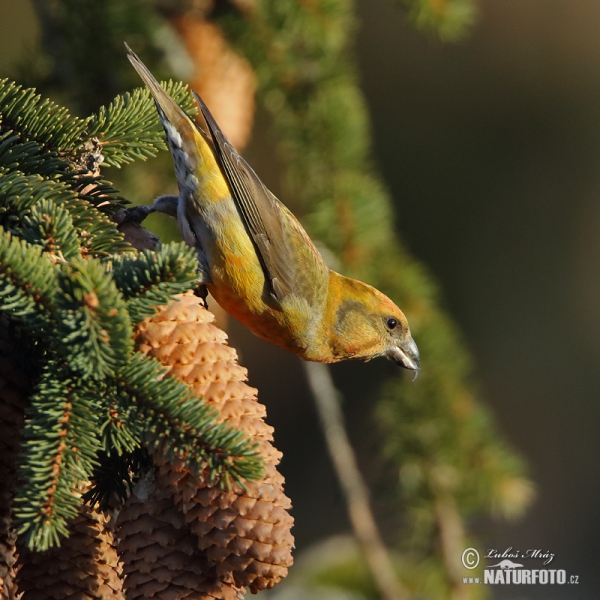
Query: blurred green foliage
point(450, 20)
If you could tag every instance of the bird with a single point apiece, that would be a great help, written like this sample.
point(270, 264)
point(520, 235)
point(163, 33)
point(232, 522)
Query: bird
point(256, 259)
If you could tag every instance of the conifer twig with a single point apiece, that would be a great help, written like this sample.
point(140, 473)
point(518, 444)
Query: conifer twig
point(355, 491)
point(452, 544)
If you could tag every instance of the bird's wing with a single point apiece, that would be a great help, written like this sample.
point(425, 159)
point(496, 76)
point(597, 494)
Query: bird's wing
point(289, 259)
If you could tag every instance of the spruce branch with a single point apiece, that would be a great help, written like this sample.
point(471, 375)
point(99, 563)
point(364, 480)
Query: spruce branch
point(117, 438)
point(68, 276)
point(129, 128)
point(39, 120)
point(94, 328)
point(170, 418)
point(82, 196)
point(28, 156)
point(50, 226)
point(27, 281)
point(97, 191)
point(59, 453)
point(20, 193)
point(150, 279)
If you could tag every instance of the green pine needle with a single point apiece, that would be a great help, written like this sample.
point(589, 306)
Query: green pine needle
point(27, 281)
point(50, 226)
point(94, 328)
point(20, 192)
point(39, 120)
point(170, 418)
point(58, 458)
point(117, 437)
point(150, 279)
point(97, 191)
point(129, 127)
point(28, 156)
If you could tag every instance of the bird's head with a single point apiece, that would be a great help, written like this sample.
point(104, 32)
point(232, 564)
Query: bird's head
point(368, 324)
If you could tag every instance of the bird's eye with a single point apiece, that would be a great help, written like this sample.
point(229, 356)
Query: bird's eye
point(391, 323)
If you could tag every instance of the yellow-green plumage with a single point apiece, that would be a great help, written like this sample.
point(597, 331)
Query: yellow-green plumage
point(257, 260)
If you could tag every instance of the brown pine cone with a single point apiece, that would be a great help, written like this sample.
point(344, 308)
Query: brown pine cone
point(86, 566)
point(243, 534)
point(160, 554)
point(14, 392)
point(223, 78)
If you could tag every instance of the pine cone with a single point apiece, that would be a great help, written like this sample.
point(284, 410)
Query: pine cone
point(243, 534)
point(223, 78)
point(160, 554)
point(86, 566)
point(14, 391)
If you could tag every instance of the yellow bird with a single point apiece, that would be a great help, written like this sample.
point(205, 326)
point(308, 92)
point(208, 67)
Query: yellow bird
point(256, 259)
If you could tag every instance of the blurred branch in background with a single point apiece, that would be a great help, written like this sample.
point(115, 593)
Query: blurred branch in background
point(355, 491)
point(452, 463)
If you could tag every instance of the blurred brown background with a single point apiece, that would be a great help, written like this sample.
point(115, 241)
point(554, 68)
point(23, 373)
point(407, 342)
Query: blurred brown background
point(491, 148)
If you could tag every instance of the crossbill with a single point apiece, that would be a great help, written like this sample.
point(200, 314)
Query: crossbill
point(256, 259)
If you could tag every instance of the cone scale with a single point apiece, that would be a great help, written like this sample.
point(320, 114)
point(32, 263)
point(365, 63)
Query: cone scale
point(242, 536)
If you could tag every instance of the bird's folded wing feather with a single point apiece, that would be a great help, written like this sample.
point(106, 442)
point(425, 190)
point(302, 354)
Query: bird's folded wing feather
point(291, 263)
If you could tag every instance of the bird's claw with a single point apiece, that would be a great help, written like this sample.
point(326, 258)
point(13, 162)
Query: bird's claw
point(136, 214)
point(202, 292)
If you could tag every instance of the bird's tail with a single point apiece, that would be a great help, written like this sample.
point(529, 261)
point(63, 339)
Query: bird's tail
point(182, 133)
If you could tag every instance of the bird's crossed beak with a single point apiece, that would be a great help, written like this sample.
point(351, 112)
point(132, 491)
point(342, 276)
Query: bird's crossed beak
point(406, 354)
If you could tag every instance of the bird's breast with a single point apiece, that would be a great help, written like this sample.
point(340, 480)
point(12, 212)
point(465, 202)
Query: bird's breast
point(238, 280)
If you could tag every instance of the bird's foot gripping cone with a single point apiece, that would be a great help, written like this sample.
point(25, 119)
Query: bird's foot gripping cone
point(242, 537)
